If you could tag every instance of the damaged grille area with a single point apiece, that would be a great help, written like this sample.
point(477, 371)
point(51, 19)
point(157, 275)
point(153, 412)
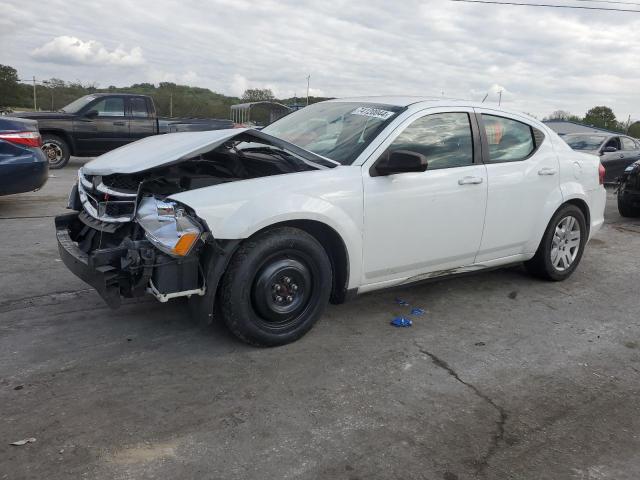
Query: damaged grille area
point(106, 203)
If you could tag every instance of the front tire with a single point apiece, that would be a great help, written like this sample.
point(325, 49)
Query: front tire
point(562, 245)
point(276, 287)
point(56, 150)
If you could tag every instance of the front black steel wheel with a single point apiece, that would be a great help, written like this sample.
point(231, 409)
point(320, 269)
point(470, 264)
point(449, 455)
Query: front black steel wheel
point(276, 287)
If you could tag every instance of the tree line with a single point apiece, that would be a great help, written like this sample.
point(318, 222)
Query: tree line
point(601, 117)
point(170, 98)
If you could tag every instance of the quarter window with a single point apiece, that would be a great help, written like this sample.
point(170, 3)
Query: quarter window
point(110, 107)
point(444, 138)
point(509, 140)
point(628, 144)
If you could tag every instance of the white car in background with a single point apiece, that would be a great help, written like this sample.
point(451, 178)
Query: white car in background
point(342, 197)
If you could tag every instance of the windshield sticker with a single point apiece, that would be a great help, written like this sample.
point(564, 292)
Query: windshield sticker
point(372, 112)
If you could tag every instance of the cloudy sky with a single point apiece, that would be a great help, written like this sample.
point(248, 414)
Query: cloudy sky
point(543, 59)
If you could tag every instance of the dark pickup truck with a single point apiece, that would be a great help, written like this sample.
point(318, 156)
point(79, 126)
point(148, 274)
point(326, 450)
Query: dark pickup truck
point(97, 123)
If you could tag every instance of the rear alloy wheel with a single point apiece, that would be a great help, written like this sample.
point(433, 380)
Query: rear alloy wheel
point(276, 287)
point(562, 245)
point(56, 150)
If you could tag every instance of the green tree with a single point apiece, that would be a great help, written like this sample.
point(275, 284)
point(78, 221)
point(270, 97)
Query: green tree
point(634, 130)
point(257, 95)
point(602, 117)
point(8, 86)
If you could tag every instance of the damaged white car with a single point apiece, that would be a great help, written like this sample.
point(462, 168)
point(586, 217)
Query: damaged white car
point(266, 227)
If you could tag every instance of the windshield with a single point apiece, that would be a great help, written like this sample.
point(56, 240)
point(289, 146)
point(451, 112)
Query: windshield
point(584, 142)
point(339, 131)
point(77, 105)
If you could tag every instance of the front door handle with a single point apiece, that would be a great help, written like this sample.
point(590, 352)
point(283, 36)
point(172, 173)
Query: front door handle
point(547, 171)
point(119, 124)
point(470, 181)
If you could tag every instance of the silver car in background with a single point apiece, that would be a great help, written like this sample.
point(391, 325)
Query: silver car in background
point(616, 152)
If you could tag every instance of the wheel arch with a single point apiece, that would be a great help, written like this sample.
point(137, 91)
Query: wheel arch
point(584, 208)
point(332, 243)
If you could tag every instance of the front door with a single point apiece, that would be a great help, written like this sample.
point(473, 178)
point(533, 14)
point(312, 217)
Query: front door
point(107, 129)
point(421, 222)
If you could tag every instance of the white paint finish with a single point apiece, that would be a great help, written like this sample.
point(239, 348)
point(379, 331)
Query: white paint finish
point(415, 223)
point(406, 226)
point(522, 198)
point(239, 209)
point(157, 150)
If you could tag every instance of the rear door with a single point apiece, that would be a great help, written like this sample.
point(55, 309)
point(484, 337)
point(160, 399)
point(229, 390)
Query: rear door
point(105, 131)
point(523, 175)
point(142, 120)
point(421, 222)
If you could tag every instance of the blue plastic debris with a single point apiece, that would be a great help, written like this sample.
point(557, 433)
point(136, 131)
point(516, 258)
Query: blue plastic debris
point(401, 322)
point(402, 302)
point(417, 311)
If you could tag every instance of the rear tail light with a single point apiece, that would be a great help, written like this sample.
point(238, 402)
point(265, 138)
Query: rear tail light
point(601, 172)
point(28, 139)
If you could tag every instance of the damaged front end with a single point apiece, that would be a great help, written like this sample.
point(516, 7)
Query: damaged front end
point(126, 248)
point(127, 237)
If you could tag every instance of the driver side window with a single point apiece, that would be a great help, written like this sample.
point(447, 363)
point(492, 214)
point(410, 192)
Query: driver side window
point(445, 139)
point(109, 107)
point(613, 142)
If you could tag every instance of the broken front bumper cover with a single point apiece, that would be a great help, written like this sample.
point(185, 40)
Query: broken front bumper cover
point(103, 278)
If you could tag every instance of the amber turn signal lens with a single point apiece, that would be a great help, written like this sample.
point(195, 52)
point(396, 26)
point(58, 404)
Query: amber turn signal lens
point(185, 243)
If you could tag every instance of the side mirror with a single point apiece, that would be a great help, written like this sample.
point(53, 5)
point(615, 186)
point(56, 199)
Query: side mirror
point(91, 114)
point(609, 149)
point(400, 161)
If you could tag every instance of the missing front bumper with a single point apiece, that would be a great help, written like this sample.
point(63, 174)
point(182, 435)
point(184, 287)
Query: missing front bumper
point(130, 269)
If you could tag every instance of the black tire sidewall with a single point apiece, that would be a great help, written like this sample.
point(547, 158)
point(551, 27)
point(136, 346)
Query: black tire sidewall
point(235, 294)
point(46, 138)
point(625, 208)
point(565, 211)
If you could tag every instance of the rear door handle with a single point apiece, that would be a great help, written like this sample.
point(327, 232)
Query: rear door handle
point(547, 171)
point(470, 181)
point(120, 124)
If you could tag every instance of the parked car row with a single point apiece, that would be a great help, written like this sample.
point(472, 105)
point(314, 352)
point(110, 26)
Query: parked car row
point(616, 152)
point(23, 165)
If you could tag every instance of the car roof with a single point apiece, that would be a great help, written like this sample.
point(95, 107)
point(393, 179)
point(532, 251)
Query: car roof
point(407, 100)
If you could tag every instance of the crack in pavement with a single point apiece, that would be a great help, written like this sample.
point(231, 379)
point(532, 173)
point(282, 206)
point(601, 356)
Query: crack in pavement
point(40, 300)
point(483, 462)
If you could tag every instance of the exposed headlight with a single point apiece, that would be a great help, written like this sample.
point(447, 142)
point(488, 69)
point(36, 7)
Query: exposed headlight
point(167, 226)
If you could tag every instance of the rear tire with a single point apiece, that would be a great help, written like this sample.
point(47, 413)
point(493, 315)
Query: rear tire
point(276, 287)
point(562, 245)
point(56, 150)
point(625, 208)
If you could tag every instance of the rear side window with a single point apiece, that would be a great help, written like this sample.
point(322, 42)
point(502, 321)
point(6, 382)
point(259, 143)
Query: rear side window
point(509, 140)
point(139, 107)
point(628, 144)
point(444, 138)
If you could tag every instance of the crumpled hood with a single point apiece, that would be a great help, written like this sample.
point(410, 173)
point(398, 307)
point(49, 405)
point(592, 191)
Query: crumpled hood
point(157, 151)
point(170, 148)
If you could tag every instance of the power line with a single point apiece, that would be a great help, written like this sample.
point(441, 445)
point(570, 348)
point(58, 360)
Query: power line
point(547, 5)
point(608, 1)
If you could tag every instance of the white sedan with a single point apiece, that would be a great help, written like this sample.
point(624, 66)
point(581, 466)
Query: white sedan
point(341, 197)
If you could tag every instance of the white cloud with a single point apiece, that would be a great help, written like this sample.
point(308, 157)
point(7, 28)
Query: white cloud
point(543, 59)
point(71, 50)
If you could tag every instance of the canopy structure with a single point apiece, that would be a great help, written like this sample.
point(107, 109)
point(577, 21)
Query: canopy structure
point(258, 113)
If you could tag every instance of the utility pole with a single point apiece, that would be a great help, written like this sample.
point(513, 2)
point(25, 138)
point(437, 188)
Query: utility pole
point(171, 105)
point(35, 104)
point(308, 80)
point(500, 97)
